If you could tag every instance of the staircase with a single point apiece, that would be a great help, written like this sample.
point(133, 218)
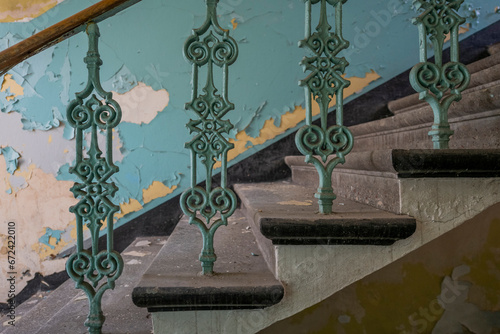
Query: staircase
point(279, 256)
point(395, 195)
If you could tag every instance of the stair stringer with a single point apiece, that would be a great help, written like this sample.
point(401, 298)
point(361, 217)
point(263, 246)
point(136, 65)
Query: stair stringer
point(312, 273)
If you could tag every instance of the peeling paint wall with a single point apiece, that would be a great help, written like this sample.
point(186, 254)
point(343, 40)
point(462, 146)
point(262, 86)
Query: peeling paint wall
point(145, 70)
point(450, 285)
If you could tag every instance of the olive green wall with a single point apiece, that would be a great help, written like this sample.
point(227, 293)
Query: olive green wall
point(451, 285)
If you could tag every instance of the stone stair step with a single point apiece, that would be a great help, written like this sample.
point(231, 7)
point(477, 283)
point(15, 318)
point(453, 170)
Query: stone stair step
point(66, 308)
point(475, 120)
point(242, 278)
point(287, 214)
point(378, 177)
point(482, 71)
point(494, 49)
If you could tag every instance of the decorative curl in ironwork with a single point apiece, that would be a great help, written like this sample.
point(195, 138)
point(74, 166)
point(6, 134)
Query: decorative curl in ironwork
point(438, 84)
point(94, 109)
point(209, 45)
point(324, 82)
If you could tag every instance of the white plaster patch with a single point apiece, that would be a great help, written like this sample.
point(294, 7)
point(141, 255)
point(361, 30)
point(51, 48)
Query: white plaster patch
point(137, 254)
point(44, 202)
point(142, 103)
point(143, 243)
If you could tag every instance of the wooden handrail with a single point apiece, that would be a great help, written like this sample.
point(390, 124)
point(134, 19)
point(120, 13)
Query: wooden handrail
point(59, 32)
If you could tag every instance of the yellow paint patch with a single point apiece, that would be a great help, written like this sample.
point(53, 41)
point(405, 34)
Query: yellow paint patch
point(66, 151)
point(50, 139)
point(45, 251)
point(156, 190)
point(243, 141)
point(14, 88)
point(462, 30)
point(24, 10)
point(295, 203)
point(234, 23)
point(125, 208)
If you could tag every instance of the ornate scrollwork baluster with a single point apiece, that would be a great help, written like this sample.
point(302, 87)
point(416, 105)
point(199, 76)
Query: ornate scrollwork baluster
point(94, 114)
point(209, 45)
point(324, 81)
point(440, 85)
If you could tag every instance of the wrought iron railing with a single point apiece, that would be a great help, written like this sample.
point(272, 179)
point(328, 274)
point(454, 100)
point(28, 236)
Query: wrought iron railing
point(209, 45)
point(323, 83)
point(208, 48)
point(439, 84)
point(94, 190)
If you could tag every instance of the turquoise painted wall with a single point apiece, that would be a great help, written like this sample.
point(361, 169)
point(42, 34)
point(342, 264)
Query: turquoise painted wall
point(142, 50)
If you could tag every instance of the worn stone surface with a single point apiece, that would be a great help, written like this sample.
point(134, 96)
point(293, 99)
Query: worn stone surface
point(482, 71)
point(416, 163)
point(288, 215)
point(398, 172)
point(65, 309)
point(242, 278)
point(494, 49)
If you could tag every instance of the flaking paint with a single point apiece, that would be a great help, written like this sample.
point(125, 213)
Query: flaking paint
point(24, 10)
point(149, 144)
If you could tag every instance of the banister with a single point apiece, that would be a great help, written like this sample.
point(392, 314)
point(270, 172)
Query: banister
point(60, 31)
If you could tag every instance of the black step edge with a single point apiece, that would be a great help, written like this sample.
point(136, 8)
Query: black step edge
point(352, 223)
point(242, 280)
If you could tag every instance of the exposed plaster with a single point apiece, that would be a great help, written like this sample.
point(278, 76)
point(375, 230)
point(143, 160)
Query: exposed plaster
point(24, 10)
point(33, 212)
point(141, 104)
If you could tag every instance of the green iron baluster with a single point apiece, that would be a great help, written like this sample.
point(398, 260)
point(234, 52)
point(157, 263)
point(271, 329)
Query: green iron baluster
point(433, 81)
point(95, 190)
point(209, 45)
point(324, 81)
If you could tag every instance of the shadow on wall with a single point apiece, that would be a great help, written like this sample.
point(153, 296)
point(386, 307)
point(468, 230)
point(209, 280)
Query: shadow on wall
point(450, 285)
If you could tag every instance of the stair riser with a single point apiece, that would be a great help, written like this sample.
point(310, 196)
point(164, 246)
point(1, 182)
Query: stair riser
point(357, 186)
point(479, 131)
point(483, 71)
point(266, 246)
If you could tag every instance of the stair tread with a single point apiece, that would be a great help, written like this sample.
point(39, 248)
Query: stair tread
point(242, 278)
point(66, 308)
point(287, 213)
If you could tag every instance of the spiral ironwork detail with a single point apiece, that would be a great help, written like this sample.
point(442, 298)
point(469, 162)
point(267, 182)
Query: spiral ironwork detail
point(324, 82)
point(439, 84)
point(209, 46)
point(92, 111)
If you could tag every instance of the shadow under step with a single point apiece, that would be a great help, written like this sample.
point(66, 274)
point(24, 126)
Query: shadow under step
point(381, 178)
point(242, 279)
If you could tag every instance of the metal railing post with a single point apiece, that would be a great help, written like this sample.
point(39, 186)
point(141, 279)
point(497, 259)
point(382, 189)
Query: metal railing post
point(88, 113)
point(209, 46)
point(324, 82)
point(439, 84)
